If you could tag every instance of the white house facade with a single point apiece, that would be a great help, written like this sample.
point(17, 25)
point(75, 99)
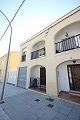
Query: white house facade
point(50, 60)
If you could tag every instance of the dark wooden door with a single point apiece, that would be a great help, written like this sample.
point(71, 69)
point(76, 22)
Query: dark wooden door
point(42, 76)
point(75, 76)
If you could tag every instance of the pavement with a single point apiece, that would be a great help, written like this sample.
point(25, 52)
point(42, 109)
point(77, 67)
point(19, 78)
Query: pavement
point(21, 104)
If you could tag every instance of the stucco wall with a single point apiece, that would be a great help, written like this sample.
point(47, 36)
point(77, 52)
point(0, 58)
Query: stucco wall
point(38, 46)
point(14, 60)
point(35, 72)
point(72, 30)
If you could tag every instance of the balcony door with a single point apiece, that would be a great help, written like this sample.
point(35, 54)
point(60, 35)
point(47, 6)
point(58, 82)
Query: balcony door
point(74, 77)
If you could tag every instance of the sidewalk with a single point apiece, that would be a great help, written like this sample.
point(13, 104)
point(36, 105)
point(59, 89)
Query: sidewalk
point(29, 105)
point(11, 90)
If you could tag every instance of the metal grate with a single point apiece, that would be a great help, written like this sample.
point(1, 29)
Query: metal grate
point(50, 105)
point(37, 100)
point(1, 102)
point(50, 99)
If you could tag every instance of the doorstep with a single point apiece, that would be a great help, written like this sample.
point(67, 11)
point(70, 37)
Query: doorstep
point(69, 97)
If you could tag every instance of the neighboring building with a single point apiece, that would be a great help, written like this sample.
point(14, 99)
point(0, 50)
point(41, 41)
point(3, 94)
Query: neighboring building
point(50, 59)
point(12, 73)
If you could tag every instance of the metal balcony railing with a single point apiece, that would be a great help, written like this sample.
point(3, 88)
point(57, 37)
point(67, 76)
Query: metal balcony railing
point(70, 43)
point(37, 53)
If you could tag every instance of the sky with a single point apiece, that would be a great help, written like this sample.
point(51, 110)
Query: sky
point(32, 17)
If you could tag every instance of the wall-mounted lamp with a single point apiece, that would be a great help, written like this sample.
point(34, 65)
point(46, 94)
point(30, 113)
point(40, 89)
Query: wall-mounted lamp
point(67, 35)
point(74, 61)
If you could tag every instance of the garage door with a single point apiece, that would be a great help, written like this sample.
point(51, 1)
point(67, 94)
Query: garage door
point(12, 77)
point(22, 76)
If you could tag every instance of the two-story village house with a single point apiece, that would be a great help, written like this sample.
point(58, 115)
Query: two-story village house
point(50, 60)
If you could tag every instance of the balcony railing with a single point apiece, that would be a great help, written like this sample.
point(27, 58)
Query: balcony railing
point(68, 44)
point(37, 53)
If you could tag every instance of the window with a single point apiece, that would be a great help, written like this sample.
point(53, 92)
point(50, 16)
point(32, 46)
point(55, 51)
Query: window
point(23, 57)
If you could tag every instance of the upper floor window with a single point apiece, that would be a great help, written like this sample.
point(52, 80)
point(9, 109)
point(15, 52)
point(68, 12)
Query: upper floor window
point(37, 53)
point(38, 50)
point(23, 57)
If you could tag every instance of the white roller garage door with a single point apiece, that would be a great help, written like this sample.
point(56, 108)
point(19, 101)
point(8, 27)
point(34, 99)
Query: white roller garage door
point(12, 77)
point(22, 76)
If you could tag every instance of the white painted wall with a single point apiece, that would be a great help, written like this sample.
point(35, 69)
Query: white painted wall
point(26, 55)
point(72, 29)
point(38, 45)
point(63, 82)
point(62, 73)
point(35, 73)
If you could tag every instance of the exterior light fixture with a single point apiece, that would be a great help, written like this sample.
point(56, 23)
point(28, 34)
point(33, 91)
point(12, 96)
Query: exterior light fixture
point(74, 61)
point(67, 35)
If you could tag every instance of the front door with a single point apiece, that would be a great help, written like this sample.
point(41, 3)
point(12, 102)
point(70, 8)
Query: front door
point(74, 77)
point(42, 76)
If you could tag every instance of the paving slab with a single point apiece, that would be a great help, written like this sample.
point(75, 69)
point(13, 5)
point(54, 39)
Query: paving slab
point(30, 105)
point(3, 115)
point(11, 90)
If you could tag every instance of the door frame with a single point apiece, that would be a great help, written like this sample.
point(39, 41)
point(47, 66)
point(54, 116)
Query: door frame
point(44, 86)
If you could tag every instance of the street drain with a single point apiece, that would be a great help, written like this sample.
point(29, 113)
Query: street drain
point(37, 100)
point(50, 105)
point(50, 99)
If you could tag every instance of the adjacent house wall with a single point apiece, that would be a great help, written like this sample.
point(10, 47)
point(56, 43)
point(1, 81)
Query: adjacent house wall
point(12, 73)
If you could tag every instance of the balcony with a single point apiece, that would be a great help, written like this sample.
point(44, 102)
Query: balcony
point(68, 44)
point(37, 53)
